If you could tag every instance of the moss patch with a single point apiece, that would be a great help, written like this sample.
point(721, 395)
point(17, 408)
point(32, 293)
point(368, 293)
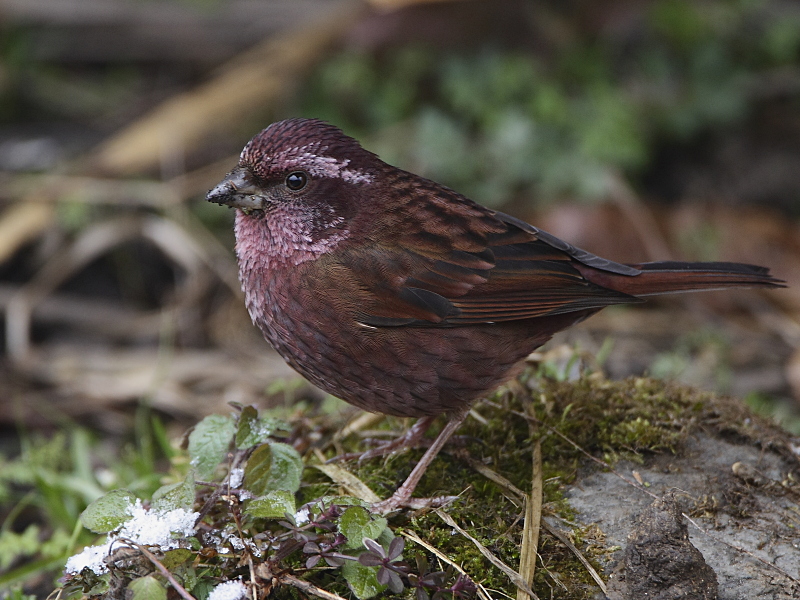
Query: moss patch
point(612, 420)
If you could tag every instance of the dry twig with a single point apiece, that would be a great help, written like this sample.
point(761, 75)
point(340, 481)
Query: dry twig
point(533, 517)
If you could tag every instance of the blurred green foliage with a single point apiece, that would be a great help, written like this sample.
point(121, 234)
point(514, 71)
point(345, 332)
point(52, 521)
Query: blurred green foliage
point(700, 358)
point(499, 124)
point(783, 413)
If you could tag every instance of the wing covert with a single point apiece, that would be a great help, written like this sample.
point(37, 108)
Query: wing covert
point(476, 266)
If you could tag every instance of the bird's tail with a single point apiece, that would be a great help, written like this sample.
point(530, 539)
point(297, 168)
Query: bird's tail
point(672, 277)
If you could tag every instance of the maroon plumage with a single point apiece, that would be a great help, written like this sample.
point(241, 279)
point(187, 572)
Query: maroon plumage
point(400, 295)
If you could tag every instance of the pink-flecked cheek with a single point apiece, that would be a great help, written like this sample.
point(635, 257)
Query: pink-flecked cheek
point(285, 237)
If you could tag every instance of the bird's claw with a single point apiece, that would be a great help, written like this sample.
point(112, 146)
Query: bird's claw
point(412, 438)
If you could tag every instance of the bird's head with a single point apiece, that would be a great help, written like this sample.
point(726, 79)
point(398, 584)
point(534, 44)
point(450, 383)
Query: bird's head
point(297, 162)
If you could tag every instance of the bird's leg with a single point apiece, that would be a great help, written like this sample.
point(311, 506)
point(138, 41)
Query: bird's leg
point(402, 497)
point(409, 439)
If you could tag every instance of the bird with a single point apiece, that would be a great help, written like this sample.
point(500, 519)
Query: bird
point(402, 296)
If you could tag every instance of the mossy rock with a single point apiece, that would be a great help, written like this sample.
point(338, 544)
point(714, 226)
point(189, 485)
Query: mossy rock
point(653, 437)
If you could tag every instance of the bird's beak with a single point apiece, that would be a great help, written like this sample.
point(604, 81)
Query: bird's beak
point(238, 190)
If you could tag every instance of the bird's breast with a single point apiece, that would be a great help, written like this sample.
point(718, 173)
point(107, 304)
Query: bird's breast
point(308, 311)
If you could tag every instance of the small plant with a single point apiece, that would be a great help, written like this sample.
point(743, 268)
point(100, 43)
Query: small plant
point(231, 527)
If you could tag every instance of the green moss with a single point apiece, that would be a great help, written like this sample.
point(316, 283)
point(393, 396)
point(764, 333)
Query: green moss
point(628, 419)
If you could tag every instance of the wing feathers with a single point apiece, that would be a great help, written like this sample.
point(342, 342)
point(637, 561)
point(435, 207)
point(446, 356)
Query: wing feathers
point(474, 265)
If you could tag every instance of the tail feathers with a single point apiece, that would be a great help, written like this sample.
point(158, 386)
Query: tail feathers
point(674, 277)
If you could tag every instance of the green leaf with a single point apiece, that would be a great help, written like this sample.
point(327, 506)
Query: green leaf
point(16, 593)
point(363, 581)
point(175, 495)
point(244, 429)
point(188, 576)
point(100, 587)
point(57, 546)
point(356, 523)
point(273, 466)
point(209, 442)
point(272, 506)
point(252, 431)
point(202, 589)
point(108, 512)
point(178, 556)
point(147, 588)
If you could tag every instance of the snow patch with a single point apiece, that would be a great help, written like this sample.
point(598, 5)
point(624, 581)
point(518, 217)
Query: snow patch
point(145, 527)
point(230, 590)
point(236, 478)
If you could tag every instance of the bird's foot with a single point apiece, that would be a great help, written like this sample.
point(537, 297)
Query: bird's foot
point(402, 497)
point(412, 438)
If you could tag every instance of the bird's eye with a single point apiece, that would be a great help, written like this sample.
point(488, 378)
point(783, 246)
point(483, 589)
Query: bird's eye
point(296, 181)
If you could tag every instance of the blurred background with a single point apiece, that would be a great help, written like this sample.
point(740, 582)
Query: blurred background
point(637, 129)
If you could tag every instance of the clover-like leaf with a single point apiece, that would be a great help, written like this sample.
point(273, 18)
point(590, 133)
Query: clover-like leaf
point(108, 512)
point(273, 466)
point(312, 561)
point(357, 523)
point(463, 587)
point(334, 559)
point(209, 442)
point(396, 548)
point(390, 579)
point(374, 547)
point(394, 582)
point(369, 559)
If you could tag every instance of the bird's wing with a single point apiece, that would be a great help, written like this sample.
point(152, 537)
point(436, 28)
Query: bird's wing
point(480, 266)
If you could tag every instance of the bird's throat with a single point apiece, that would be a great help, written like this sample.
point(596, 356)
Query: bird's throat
point(285, 236)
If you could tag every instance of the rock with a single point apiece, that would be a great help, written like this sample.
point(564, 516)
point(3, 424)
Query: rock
point(660, 562)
